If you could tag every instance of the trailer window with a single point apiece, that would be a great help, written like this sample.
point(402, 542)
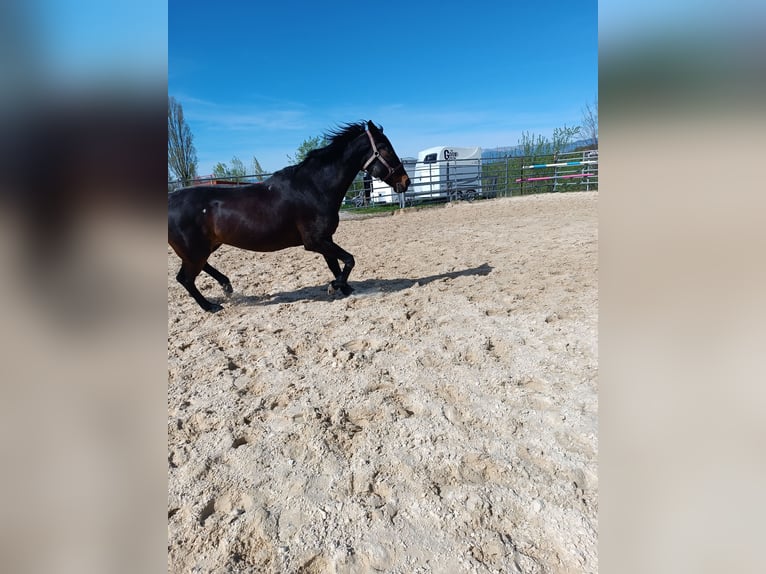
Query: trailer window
point(430, 158)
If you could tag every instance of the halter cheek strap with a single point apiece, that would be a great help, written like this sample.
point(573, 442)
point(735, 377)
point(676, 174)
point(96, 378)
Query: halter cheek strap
point(376, 155)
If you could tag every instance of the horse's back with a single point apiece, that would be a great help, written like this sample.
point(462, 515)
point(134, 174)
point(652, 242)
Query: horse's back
point(198, 195)
point(188, 204)
point(256, 217)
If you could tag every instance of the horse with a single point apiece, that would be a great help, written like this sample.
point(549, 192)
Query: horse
point(297, 205)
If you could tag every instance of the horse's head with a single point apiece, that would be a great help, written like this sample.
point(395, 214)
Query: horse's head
point(384, 163)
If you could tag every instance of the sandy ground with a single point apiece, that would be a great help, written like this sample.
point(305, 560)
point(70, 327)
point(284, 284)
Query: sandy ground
point(441, 419)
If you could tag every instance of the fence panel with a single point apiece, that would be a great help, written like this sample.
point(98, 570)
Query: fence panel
point(522, 175)
point(496, 177)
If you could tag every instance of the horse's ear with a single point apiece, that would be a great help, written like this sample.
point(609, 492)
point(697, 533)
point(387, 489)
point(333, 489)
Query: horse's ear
point(373, 128)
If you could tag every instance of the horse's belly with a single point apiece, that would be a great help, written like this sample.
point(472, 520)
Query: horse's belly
point(264, 240)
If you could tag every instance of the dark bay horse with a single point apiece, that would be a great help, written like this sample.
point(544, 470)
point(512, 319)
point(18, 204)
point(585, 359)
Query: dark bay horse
point(297, 205)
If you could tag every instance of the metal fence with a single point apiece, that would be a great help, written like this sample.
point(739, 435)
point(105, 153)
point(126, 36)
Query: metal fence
point(500, 176)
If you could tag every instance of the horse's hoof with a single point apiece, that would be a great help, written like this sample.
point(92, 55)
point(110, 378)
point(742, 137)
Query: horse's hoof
point(214, 308)
point(344, 288)
point(228, 289)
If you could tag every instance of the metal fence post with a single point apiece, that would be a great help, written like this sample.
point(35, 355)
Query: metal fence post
point(507, 159)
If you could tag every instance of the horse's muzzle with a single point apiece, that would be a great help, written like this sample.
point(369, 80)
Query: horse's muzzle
point(402, 185)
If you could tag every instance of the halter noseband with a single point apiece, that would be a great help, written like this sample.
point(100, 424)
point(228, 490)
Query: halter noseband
point(376, 155)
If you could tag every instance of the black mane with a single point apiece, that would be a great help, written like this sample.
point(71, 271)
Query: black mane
point(343, 134)
point(338, 139)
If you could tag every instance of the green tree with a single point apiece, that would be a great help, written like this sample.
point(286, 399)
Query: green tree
point(562, 137)
point(258, 171)
point(236, 172)
point(182, 157)
point(533, 145)
point(221, 171)
point(308, 145)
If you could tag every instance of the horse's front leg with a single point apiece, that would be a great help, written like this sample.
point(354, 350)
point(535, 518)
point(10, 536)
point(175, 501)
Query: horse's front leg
point(340, 282)
point(334, 266)
point(332, 253)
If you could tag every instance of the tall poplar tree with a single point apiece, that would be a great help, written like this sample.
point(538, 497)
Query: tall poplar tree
point(182, 157)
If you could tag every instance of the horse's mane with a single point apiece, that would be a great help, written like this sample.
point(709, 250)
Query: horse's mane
point(335, 140)
point(338, 139)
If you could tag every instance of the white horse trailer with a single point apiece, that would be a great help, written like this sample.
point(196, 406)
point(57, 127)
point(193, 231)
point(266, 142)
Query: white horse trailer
point(384, 193)
point(442, 172)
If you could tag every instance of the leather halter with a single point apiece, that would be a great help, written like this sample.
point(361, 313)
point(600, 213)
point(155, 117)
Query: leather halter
point(376, 155)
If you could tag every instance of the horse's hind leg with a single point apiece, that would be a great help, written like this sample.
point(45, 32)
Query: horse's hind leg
point(186, 276)
point(223, 281)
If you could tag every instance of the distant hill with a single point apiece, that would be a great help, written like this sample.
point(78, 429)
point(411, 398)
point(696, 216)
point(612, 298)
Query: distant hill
point(516, 151)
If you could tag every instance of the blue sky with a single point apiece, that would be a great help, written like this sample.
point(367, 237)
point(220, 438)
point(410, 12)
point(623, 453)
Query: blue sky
point(259, 78)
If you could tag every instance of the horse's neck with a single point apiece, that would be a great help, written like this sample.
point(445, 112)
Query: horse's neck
point(342, 171)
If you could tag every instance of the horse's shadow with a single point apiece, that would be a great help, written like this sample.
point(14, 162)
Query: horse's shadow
point(361, 288)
